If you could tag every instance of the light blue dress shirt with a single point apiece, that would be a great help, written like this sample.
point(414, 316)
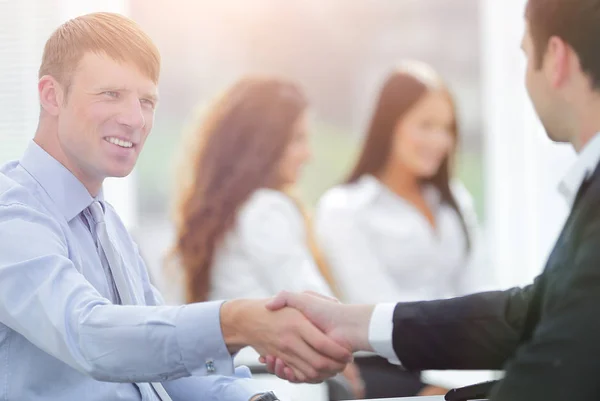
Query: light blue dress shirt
point(61, 337)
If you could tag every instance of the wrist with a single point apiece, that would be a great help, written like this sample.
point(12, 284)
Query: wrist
point(358, 319)
point(232, 324)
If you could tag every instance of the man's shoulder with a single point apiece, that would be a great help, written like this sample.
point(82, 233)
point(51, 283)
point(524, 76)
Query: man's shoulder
point(17, 190)
point(12, 191)
point(7, 183)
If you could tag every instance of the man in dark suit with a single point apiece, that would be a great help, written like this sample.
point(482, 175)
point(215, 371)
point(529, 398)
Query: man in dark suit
point(547, 335)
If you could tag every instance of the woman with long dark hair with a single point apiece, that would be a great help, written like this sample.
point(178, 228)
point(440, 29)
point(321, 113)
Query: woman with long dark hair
point(241, 233)
point(400, 228)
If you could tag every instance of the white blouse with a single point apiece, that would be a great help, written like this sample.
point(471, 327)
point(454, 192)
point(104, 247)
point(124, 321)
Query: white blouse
point(266, 252)
point(382, 249)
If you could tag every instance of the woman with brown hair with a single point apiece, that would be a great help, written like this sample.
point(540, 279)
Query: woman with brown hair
point(240, 231)
point(399, 228)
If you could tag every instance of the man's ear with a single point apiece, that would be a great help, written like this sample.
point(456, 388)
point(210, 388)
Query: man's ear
point(51, 94)
point(559, 60)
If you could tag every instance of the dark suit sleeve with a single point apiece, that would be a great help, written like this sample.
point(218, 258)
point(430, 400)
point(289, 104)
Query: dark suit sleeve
point(479, 331)
point(562, 359)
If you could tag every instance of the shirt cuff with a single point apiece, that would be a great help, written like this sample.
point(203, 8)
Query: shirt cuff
point(381, 328)
point(201, 345)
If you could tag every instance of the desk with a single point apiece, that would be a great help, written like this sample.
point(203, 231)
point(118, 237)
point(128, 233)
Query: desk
point(300, 392)
point(436, 398)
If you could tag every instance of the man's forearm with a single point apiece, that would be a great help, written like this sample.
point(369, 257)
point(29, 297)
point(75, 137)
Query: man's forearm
point(233, 336)
point(479, 331)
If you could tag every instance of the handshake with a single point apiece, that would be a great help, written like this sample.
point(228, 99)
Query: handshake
point(302, 338)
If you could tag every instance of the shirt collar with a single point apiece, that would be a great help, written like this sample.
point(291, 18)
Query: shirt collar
point(370, 183)
point(586, 163)
point(68, 193)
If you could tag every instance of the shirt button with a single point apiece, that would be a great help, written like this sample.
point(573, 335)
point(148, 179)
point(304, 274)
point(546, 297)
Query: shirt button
point(210, 366)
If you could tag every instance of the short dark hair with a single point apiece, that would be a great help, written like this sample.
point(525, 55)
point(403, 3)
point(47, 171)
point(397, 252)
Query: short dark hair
point(577, 22)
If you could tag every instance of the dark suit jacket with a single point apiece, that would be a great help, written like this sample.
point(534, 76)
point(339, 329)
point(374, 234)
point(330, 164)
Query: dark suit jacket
point(546, 335)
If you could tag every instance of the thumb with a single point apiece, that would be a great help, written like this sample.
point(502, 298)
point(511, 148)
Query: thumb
point(281, 300)
point(325, 297)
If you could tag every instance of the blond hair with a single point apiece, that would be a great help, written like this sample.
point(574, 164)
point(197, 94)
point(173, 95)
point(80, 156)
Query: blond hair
point(114, 35)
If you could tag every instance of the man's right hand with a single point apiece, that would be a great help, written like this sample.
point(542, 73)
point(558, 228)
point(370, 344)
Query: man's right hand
point(309, 355)
point(345, 324)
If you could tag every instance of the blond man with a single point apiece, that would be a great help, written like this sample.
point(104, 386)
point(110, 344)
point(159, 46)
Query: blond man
point(79, 318)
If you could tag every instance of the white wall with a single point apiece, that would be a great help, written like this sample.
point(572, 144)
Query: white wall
point(523, 167)
point(24, 25)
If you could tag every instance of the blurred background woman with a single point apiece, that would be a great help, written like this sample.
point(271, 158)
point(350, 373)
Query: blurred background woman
point(400, 228)
point(241, 233)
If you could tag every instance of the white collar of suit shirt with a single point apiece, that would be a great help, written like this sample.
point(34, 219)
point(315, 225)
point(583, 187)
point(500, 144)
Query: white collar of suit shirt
point(587, 160)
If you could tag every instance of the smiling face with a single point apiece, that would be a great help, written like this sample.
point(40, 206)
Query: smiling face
point(102, 121)
point(424, 137)
point(297, 153)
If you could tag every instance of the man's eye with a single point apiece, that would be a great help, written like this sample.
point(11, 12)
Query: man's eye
point(147, 102)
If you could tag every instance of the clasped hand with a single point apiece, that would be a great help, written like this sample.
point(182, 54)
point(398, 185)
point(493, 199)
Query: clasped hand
point(344, 326)
point(304, 352)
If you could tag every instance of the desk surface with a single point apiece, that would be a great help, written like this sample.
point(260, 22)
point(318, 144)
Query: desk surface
point(436, 398)
point(249, 357)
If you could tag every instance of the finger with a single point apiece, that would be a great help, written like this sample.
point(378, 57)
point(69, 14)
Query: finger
point(275, 366)
point(262, 360)
point(307, 364)
point(280, 369)
point(279, 301)
point(301, 370)
point(324, 345)
point(313, 366)
point(270, 360)
point(291, 376)
point(285, 372)
point(325, 297)
point(359, 390)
